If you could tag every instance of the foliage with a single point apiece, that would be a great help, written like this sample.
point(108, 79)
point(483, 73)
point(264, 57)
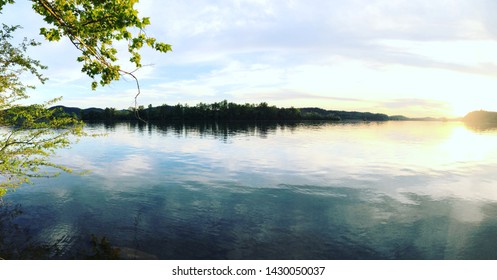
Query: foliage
point(30, 134)
point(33, 133)
point(93, 27)
point(13, 64)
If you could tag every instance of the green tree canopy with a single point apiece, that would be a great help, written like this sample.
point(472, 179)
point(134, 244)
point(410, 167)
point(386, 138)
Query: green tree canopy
point(29, 135)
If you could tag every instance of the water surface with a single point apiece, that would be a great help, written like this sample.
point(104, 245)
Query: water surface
point(390, 190)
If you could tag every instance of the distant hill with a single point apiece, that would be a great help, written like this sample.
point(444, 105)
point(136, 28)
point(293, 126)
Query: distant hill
point(78, 111)
point(68, 110)
point(482, 117)
point(347, 115)
point(399, 118)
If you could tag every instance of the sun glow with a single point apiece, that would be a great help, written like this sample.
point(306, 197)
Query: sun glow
point(460, 108)
point(464, 146)
point(462, 105)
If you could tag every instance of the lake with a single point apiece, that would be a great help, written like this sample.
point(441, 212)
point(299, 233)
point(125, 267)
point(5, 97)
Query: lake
point(365, 190)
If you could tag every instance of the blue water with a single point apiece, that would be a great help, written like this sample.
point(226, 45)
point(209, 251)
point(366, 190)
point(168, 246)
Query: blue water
point(392, 190)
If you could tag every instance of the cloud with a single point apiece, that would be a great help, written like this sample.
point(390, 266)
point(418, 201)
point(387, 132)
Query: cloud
point(403, 103)
point(132, 164)
point(237, 26)
point(334, 53)
point(296, 33)
point(476, 56)
point(416, 107)
point(289, 95)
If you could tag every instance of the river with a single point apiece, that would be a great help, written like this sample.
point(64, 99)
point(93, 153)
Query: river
point(365, 190)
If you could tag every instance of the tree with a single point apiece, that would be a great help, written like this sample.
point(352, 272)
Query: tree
point(29, 135)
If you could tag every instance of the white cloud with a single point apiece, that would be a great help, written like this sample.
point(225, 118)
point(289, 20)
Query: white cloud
point(468, 53)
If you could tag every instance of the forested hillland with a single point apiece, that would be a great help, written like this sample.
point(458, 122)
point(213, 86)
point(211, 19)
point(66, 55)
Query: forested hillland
point(224, 111)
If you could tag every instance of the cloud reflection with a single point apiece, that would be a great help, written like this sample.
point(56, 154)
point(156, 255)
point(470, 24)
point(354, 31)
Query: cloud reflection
point(429, 157)
point(393, 190)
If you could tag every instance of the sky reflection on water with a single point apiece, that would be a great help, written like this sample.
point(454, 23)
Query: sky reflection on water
point(394, 190)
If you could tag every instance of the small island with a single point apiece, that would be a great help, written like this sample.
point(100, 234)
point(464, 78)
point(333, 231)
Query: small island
point(481, 117)
point(481, 120)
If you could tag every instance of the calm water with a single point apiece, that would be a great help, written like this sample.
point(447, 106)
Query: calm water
point(394, 190)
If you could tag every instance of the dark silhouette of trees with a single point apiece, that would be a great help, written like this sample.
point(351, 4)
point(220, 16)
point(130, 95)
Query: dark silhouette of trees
point(218, 111)
point(222, 111)
point(318, 113)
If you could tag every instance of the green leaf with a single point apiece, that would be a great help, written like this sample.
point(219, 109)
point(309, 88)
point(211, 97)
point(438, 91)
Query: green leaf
point(146, 21)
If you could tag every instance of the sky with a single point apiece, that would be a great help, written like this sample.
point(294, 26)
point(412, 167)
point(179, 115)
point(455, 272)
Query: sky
point(416, 58)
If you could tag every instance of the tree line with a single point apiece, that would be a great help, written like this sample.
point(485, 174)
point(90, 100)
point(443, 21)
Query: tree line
point(219, 111)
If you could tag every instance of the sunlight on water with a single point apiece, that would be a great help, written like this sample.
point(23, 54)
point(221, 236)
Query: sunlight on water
point(392, 190)
point(464, 146)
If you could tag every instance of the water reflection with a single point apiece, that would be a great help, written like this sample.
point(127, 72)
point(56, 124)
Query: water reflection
point(395, 190)
point(481, 126)
point(220, 130)
point(16, 240)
